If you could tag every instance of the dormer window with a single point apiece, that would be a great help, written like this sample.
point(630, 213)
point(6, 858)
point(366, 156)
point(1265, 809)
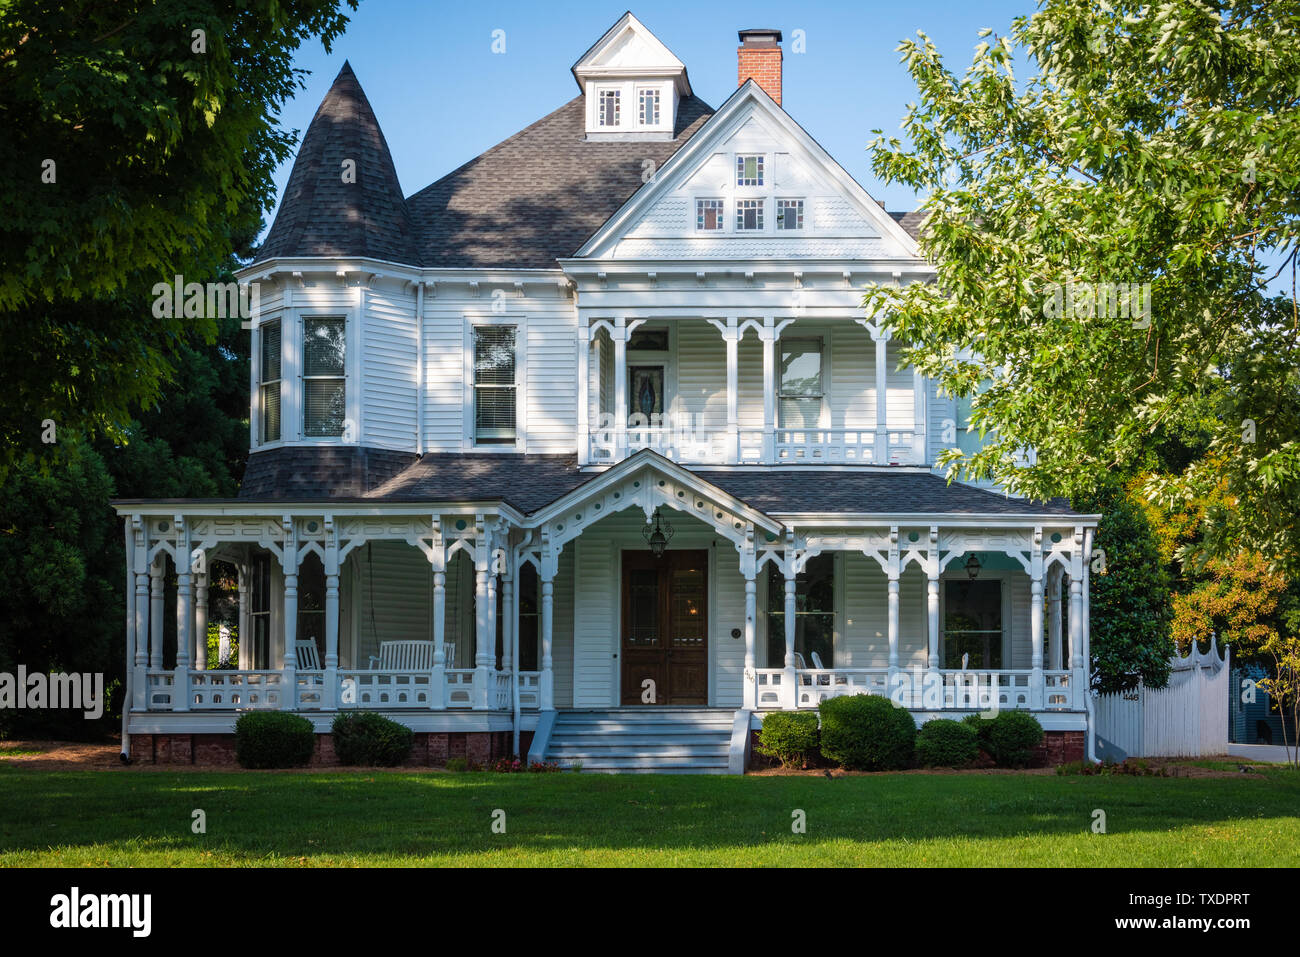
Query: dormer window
point(749, 170)
point(648, 106)
point(609, 107)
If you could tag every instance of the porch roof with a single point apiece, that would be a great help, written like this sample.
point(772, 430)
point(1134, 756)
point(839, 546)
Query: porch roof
point(529, 483)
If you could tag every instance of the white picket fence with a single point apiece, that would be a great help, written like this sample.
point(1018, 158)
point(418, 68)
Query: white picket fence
point(1187, 718)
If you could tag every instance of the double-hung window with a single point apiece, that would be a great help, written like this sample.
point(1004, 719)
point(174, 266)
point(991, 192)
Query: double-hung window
point(495, 390)
point(801, 389)
point(324, 381)
point(269, 387)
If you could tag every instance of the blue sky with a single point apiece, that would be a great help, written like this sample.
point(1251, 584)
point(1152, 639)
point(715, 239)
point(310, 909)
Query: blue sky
point(442, 96)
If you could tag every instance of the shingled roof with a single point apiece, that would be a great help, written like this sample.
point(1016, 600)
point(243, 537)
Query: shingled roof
point(540, 194)
point(531, 482)
point(911, 222)
point(320, 214)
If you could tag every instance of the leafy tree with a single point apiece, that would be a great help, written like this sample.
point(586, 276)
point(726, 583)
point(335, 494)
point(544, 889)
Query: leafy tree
point(140, 142)
point(1129, 601)
point(1151, 152)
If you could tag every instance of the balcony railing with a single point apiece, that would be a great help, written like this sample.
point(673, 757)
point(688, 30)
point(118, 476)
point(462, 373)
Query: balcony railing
point(713, 445)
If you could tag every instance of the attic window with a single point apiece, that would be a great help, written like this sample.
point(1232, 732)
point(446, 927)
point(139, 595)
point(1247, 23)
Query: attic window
point(708, 214)
point(789, 214)
point(648, 103)
point(749, 214)
point(749, 170)
point(608, 106)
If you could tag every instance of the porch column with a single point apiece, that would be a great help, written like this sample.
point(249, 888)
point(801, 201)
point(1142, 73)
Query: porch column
point(731, 339)
point(483, 645)
point(329, 693)
point(767, 335)
point(1079, 658)
point(619, 333)
point(1054, 619)
point(790, 681)
point(932, 601)
point(140, 683)
point(130, 623)
point(438, 563)
point(508, 622)
point(184, 623)
point(584, 385)
point(245, 627)
point(894, 572)
point(881, 454)
point(1036, 686)
point(289, 661)
point(747, 568)
point(156, 582)
point(201, 620)
point(492, 636)
point(546, 573)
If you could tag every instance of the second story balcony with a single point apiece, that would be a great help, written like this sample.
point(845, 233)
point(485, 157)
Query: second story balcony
point(770, 391)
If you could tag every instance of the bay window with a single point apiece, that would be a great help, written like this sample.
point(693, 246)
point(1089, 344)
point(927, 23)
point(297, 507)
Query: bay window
point(269, 384)
point(324, 383)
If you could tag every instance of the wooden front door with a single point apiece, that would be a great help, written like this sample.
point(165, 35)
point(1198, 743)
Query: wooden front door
point(665, 646)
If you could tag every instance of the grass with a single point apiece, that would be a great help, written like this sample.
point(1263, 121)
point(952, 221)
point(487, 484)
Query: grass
point(129, 818)
point(18, 752)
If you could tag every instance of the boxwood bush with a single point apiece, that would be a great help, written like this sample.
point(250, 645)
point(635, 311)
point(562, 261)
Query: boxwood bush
point(273, 739)
point(790, 736)
point(944, 743)
point(366, 738)
point(867, 733)
point(1009, 738)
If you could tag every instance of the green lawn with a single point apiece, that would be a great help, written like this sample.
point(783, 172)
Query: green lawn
point(94, 818)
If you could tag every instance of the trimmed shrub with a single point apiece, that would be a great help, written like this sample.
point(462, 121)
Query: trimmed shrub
point(458, 764)
point(366, 738)
point(789, 736)
point(1009, 738)
point(944, 743)
point(867, 733)
point(981, 729)
point(273, 739)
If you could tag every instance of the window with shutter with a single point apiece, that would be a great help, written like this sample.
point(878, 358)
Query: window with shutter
point(494, 384)
point(269, 387)
point(324, 382)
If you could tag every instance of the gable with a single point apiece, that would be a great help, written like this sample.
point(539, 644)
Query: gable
point(839, 219)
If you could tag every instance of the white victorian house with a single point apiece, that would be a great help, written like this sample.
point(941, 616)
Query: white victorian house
point(587, 450)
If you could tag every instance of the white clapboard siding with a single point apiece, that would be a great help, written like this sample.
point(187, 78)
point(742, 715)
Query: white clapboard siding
point(701, 374)
point(1021, 639)
point(865, 641)
point(444, 344)
point(562, 631)
point(942, 420)
point(595, 627)
point(727, 598)
point(901, 397)
point(853, 377)
point(393, 601)
point(390, 370)
point(912, 616)
point(551, 328)
point(749, 392)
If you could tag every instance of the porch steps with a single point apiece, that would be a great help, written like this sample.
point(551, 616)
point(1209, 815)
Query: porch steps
point(643, 740)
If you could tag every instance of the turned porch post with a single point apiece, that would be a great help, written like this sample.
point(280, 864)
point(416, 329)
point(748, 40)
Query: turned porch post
point(731, 339)
point(619, 333)
point(894, 572)
point(584, 386)
point(790, 695)
point(932, 601)
point(881, 455)
point(438, 565)
point(245, 627)
point(329, 693)
point(484, 645)
point(289, 661)
point(507, 622)
point(747, 563)
point(201, 619)
point(1078, 678)
point(156, 583)
point(767, 335)
point(1036, 688)
point(1054, 619)
point(140, 565)
point(546, 681)
point(184, 619)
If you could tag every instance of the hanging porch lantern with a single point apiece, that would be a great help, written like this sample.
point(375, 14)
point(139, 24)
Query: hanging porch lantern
point(657, 536)
point(973, 566)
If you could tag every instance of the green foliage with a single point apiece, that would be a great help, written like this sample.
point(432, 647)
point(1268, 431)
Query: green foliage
point(366, 738)
point(789, 736)
point(944, 743)
point(273, 739)
point(1149, 144)
point(457, 764)
point(163, 157)
point(1009, 737)
point(866, 733)
point(1130, 603)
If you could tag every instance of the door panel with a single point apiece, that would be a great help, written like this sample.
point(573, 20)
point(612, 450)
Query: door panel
point(665, 628)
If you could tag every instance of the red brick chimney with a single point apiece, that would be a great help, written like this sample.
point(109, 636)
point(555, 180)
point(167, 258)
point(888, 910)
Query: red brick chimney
point(759, 59)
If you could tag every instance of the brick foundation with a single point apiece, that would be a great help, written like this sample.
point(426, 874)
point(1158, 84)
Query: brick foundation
point(430, 750)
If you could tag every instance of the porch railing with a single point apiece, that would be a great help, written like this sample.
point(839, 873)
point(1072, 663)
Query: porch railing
point(1011, 689)
point(716, 444)
point(365, 689)
point(851, 446)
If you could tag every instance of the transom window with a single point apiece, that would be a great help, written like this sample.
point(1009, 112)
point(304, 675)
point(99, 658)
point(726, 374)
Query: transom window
point(800, 398)
point(648, 104)
point(609, 107)
point(814, 613)
point(269, 388)
point(494, 384)
point(324, 386)
point(708, 214)
point(789, 214)
point(749, 170)
point(749, 214)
